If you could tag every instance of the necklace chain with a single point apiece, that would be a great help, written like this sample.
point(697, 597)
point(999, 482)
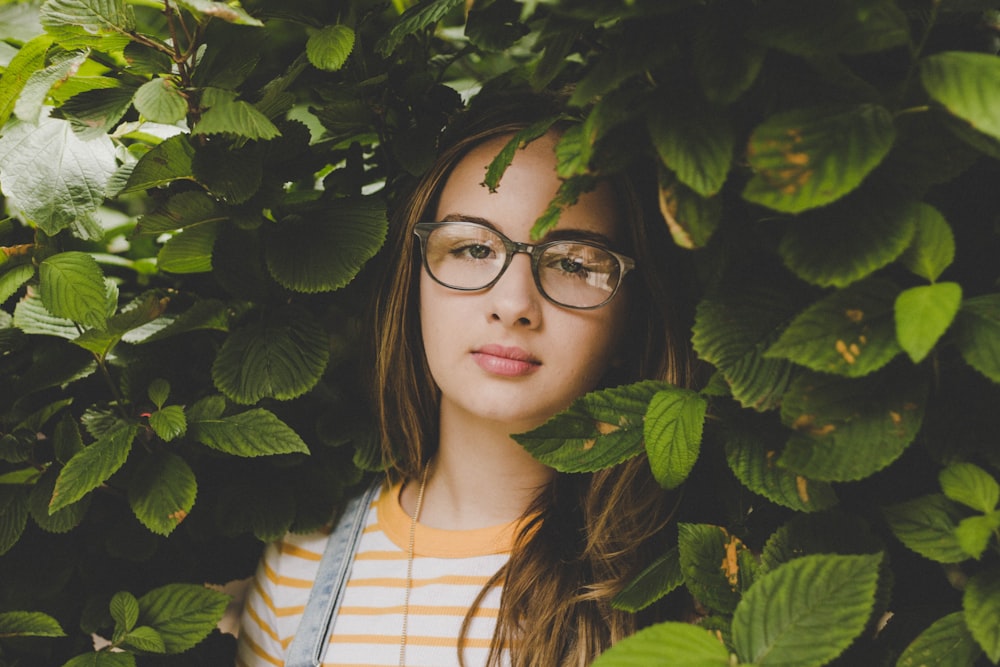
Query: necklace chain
point(409, 565)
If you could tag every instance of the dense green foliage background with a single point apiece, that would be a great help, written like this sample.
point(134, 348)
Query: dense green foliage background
point(193, 187)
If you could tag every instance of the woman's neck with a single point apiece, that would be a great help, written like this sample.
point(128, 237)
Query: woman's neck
point(479, 477)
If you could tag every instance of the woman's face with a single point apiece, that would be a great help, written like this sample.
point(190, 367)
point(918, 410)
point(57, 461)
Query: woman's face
point(505, 354)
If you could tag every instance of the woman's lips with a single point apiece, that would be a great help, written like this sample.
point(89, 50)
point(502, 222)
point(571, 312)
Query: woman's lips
point(505, 361)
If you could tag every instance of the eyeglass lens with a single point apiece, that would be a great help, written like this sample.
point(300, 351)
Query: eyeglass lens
point(471, 257)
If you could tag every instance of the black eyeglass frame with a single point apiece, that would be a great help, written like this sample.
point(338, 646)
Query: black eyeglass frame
point(423, 230)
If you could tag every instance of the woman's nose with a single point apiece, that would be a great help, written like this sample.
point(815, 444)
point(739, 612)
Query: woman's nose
point(514, 299)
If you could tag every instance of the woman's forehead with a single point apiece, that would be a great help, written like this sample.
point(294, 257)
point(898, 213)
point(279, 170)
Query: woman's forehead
point(525, 190)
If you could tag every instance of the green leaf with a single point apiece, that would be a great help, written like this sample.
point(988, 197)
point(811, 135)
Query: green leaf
point(66, 439)
point(59, 522)
point(692, 219)
point(162, 491)
point(573, 152)
point(807, 611)
point(31, 103)
point(252, 433)
point(975, 532)
point(13, 516)
point(328, 49)
point(672, 432)
point(231, 12)
point(72, 286)
point(977, 334)
point(144, 639)
point(13, 278)
point(811, 157)
point(92, 466)
point(725, 63)
point(98, 24)
point(189, 251)
point(281, 356)
point(599, 430)
point(95, 16)
point(168, 422)
point(324, 252)
point(158, 392)
point(413, 20)
point(946, 643)
point(125, 611)
point(923, 314)
point(850, 26)
point(210, 407)
point(56, 178)
point(499, 164)
point(97, 111)
point(232, 175)
point(736, 324)
point(29, 59)
point(754, 463)
point(641, 51)
point(821, 533)
point(847, 430)
point(160, 101)
point(183, 614)
point(185, 209)
point(965, 83)
point(101, 659)
point(203, 314)
point(140, 312)
point(851, 332)
point(849, 240)
point(659, 578)
point(926, 525)
point(165, 163)
point(29, 624)
point(711, 565)
point(695, 141)
point(932, 249)
point(235, 117)
point(686, 645)
point(143, 59)
point(495, 26)
point(970, 485)
point(31, 317)
point(981, 602)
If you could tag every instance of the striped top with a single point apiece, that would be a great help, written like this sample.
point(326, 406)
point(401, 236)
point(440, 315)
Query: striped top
point(450, 568)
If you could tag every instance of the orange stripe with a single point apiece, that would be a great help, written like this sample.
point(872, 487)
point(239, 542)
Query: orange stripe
point(418, 610)
point(268, 630)
point(290, 611)
point(293, 550)
point(380, 555)
point(263, 594)
point(291, 582)
point(416, 640)
point(399, 582)
point(261, 653)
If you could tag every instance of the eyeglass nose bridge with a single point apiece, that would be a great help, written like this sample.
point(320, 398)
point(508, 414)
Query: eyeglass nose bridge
point(513, 248)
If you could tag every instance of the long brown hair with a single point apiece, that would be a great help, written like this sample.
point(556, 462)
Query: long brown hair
point(588, 534)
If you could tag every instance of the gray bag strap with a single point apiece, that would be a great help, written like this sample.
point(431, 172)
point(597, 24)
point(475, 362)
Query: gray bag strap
point(313, 634)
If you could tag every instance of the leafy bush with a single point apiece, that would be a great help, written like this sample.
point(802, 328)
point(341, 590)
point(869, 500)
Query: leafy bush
point(194, 188)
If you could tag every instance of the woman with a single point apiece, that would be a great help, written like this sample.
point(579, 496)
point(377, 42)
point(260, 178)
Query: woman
point(473, 552)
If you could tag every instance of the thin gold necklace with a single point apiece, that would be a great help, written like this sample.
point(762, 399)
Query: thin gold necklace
point(409, 565)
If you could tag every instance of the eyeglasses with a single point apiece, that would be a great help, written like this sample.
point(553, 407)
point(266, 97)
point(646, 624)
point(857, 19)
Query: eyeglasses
point(468, 256)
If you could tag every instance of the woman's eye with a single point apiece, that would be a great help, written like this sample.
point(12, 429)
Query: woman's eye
point(473, 251)
point(570, 265)
point(479, 251)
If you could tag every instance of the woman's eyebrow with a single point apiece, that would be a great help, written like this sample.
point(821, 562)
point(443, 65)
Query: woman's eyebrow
point(552, 235)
